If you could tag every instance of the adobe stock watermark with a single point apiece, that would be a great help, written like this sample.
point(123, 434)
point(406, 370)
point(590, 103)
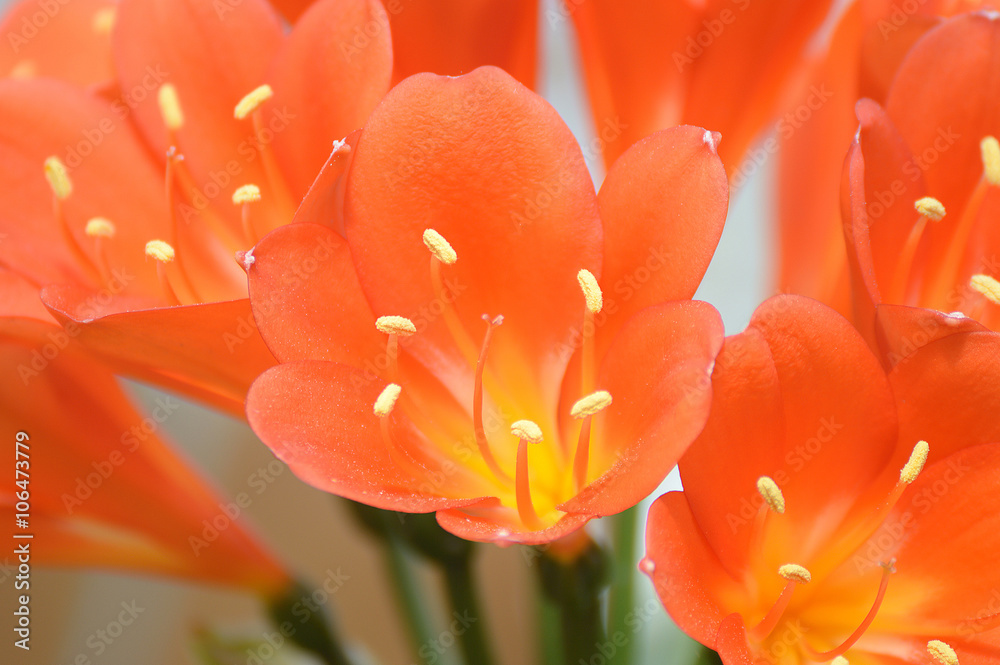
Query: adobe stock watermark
point(101, 639)
point(899, 15)
point(912, 170)
point(711, 29)
point(31, 25)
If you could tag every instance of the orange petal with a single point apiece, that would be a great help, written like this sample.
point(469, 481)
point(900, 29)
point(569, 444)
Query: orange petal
point(685, 571)
point(491, 167)
point(70, 41)
point(306, 298)
point(489, 522)
point(317, 417)
point(657, 371)
point(44, 118)
point(663, 205)
point(291, 9)
point(211, 352)
point(456, 36)
point(903, 330)
point(214, 54)
point(327, 83)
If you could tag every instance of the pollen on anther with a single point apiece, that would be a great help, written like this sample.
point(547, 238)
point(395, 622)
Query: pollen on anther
point(989, 149)
point(527, 430)
point(439, 247)
point(839, 660)
point(98, 227)
point(591, 404)
point(58, 177)
point(942, 652)
point(771, 493)
point(915, 464)
point(395, 325)
point(930, 208)
point(591, 290)
point(387, 400)
point(252, 101)
point(160, 250)
point(170, 107)
point(987, 286)
point(793, 572)
point(246, 194)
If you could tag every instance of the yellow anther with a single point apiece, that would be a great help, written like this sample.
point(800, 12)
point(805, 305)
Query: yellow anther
point(591, 404)
point(246, 194)
point(915, 464)
point(930, 208)
point(159, 250)
point(795, 573)
point(387, 400)
point(252, 101)
point(771, 493)
point(987, 286)
point(103, 21)
point(839, 660)
point(591, 291)
point(439, 247)
point(99, 227)
point(170, 107)
point(989, 149)
point(942, 652)
point(527, 431)
point(58, 177)
point(395, 325)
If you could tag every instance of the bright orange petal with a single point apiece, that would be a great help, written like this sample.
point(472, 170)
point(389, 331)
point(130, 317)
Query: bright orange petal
point(326, 84)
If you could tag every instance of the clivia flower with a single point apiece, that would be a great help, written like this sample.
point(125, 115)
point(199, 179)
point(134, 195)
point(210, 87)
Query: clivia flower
point(125, 208)
point(922, 188)
point(835, 510)
point(93, 482)
point(490, 340)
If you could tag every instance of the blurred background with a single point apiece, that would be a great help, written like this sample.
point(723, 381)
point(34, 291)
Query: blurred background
point(314, 532)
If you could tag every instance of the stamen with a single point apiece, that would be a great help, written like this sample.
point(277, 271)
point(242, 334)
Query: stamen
point(170, 109)
point(101, 230)
point(930, 208)
point(395, 327)
point(915, 464)
point(387, 400)
point(795, 574)
point(439, 247)
point(244, 196)
point(887, 570)
point(163, 254)
point(384, 404)
point(584, 408)
point(595, 302)
point(986, 286)
point(942, 652)
point(103, 21)
point(174, 160)
point(771, 493)
point(477, 402)
point(58, 177)
point(527, 432)
point(839, 660)
point(252, 101)
point(989, 149)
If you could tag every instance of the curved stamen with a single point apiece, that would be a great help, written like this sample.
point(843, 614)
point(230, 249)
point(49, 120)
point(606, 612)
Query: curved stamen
point(795, 574)
point(251, 105)
point(527, 432)
point(584, 409)
point(163, 254)
point(244, 196)
point(477, 402)
point(384, 405)
point(61, 185)
point(930, 209)
point(594, 304)
point(458, 333)
point(395, 327)
point(101, 230)
point(823, 656)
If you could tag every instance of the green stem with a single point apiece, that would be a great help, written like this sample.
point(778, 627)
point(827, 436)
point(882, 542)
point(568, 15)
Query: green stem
point(622, 589)
point(549, 644)
point(312, 633)
point(469, 621)
point(575, 586)
point(409, 594)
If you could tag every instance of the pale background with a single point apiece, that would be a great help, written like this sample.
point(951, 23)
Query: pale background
point(313, 533)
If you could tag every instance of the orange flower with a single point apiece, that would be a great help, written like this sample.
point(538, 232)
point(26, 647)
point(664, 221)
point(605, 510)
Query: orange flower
point(868, 45)
point(833, 509)
point(492, 341)
point(922, 186)
point(101, 487)
point(148, 278)
point(725, 64)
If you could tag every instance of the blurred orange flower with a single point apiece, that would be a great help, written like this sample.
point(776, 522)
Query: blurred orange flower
point(101, 487)
point(146, 278)
point(833, 509)
point(491, 340)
